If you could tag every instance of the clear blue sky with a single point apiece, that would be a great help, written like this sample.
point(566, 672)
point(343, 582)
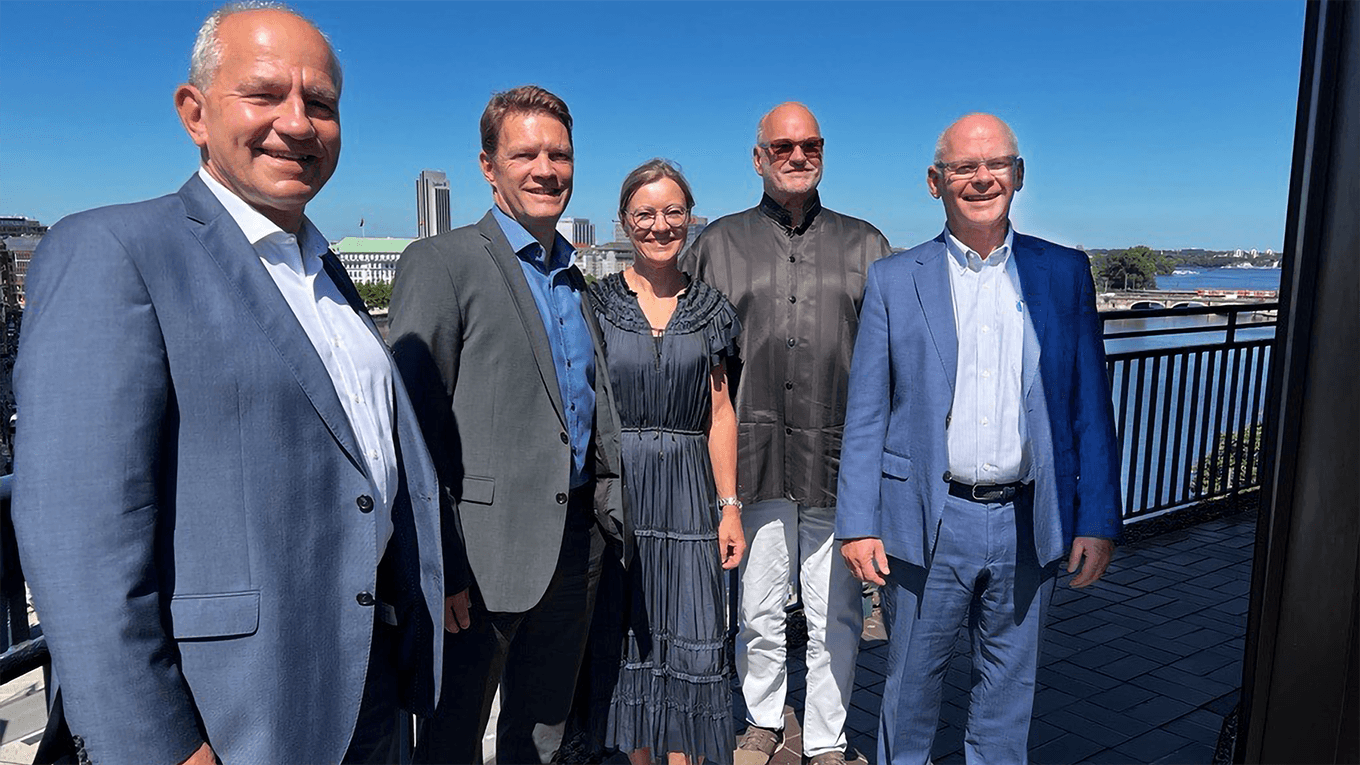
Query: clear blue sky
point(1161, 123)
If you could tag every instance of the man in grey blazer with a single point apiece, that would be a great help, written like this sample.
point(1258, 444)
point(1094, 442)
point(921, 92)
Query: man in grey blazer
point(492, 331)
point(223, 503)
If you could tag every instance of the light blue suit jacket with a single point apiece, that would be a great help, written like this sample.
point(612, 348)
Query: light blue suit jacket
point(190, 498)
point(895, 454)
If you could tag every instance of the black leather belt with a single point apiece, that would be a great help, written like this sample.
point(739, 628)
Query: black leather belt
point(987, 493)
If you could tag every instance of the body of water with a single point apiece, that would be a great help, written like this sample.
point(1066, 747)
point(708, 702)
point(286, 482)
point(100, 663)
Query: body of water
point(1222, 279)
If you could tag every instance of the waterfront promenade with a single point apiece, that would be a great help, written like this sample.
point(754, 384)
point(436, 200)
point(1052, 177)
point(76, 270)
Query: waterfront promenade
point(1140, 668)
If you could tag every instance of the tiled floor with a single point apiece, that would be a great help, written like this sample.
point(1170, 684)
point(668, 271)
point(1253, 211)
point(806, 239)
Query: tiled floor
point(1140, 668)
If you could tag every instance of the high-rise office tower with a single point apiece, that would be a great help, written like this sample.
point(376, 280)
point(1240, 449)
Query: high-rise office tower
point(579, 231)
point(432, 203)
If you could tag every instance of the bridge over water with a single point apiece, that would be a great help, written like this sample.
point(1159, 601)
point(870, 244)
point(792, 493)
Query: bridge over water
point(1118, 301)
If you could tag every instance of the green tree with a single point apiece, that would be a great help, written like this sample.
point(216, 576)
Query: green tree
point(1133, 269)
point(375, 295)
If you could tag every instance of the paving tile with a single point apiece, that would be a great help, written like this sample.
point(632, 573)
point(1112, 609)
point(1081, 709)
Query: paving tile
point(1128, 667)
point(1050, 700)
point(1041, 733)
point(1088, 676)
point(1078, 625)
point(1208, 685)
point(1151, 745)
point(1070, 721)
point(1106, 757)
point(1195, 752)
point(1154, 583)
point(1201, 663)
point(1193, 730)
point(1200, 639)
point(1121, 697)
point(860, 721)
point(1228, 674)
point(1172, 690)
point(1223, 705)
point(948, 739)
point(1098, 656)
point(1171, 629)
point(1066, 748)
point(1159, 710)
point(1156, 650)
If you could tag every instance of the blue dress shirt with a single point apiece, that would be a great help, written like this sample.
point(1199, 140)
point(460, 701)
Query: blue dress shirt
point(559, 305)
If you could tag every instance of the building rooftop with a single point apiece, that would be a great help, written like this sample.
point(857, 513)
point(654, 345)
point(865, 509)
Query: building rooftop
point(365, 245)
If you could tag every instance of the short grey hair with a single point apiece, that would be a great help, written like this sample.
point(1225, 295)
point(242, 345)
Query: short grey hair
point(207, 53)
point(940, 142)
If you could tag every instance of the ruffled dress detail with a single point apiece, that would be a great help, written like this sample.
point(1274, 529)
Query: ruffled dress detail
point(672, 692)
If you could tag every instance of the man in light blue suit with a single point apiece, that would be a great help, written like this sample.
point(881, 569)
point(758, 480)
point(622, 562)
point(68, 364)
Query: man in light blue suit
point(979, 452)
point(224, 506)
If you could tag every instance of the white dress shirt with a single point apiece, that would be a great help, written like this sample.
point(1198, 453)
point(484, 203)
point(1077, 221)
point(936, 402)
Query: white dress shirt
point(986, 433)
point(355, 359)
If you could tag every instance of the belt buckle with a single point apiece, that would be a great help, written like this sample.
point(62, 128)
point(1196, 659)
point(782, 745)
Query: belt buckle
point(973, 492)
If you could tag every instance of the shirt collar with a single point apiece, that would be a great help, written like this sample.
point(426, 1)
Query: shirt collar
point(527, 248)
point(779, 215)
point(262, 232)
point(968, 259)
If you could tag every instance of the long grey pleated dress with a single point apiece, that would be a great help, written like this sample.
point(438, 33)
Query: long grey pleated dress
point(672, 692)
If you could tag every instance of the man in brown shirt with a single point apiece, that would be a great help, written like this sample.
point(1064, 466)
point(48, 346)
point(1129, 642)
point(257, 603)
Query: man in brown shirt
point(795, 272)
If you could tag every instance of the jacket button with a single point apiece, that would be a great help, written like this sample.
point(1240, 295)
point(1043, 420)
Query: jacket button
point(792, 342)
point(561, 498)
point(365, 598)
point(947, 418)
point(948, 476)
point(788, 386)
point(564, 438)
point(793, 299)
point(788, 431)
point(365, 503)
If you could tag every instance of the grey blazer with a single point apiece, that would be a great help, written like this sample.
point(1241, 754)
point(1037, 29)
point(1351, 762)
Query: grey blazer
point(190, 501)
point(471, 345)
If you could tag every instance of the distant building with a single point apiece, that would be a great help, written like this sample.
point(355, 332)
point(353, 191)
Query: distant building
point(14, 225)
point(21, 249)
point(697, 224)
point(432, 203)
point(579, 231)
point(605, 259)
point(370, 259)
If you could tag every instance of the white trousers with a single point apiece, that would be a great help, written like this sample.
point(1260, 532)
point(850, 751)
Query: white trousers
point(779, 532)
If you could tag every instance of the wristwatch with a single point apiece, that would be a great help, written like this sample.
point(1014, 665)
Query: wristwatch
point(729, 502)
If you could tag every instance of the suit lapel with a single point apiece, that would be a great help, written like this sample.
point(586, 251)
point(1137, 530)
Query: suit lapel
point(248, 279)
point(1032, 269)
point(523, 300)
point(937, 304)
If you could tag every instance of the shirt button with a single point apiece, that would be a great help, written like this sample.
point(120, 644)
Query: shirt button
point(358, 399)
point(792, 342)
point(983, 421)
point(986, 373)
point(563, 436)
point(793, 299)
point(986, 329)
point(365, 503)
point(561, 498)
point(365, 598)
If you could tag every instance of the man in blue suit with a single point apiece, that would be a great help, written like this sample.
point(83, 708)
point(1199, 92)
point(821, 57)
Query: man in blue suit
point(979, 450)
point(224, 506)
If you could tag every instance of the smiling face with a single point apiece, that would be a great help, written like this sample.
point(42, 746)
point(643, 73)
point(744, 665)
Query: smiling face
point(792, 177)
point(268, 124)
point(659, 243)
point(530, 174)
point(980, 204)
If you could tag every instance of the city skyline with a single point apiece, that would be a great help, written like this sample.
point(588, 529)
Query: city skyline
point(1165, 124)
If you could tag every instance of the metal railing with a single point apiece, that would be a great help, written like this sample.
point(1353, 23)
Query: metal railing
point(1189, 393)
point(22, 652)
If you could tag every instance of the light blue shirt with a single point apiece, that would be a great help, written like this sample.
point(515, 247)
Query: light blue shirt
point(560, 307)
point(986, 434)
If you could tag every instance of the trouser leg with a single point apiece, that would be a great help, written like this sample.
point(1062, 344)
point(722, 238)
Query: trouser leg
point(771, 536)
point(473, 660)
point(544, 657)
point(376, 736)
point(927, 609)
point(833, 605)
point(1005, 629)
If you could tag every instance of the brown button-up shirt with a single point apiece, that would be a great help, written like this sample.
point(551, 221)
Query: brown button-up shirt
point(798, 293)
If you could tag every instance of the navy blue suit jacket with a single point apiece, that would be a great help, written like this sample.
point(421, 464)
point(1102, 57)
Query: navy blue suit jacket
point(190, 498)
point(895, 454)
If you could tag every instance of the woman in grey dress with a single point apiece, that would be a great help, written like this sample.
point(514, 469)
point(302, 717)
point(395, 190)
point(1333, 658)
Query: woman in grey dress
point(667, 337)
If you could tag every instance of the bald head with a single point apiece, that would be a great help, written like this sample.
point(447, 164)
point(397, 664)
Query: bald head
point(789, 110)
point(972, 125)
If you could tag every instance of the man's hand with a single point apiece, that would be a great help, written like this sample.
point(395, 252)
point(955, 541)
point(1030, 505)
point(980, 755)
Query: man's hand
point(731, 540)
point(866, 559)
point(456, 612)
point(202, 756)
point(1097, 553)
